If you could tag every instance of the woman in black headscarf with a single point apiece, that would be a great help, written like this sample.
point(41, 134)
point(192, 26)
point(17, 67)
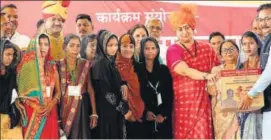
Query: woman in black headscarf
point(107, 83)
point(9, 114)
point(156, 91)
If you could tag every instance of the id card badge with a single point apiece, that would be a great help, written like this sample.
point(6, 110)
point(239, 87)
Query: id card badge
point(74, 90)
point(159, 99)
point(14, 96)
point(48, 91)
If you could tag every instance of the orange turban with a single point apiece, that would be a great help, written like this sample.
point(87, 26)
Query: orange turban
point(52, 8)
point(185, 15)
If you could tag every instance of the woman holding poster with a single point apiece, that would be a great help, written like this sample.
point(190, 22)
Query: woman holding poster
point(251, 122)
point(226, 124)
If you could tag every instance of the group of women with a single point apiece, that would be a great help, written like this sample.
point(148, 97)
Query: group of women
point(98, 84)
point(118, 87)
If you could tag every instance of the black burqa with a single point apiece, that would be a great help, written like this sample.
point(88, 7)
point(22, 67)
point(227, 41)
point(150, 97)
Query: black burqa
point(160, 77)
point(8, 83)
point(107, 83)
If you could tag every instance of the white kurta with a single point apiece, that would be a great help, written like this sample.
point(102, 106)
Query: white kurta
point(266, 125)
point(163, 53)
point(20, 40)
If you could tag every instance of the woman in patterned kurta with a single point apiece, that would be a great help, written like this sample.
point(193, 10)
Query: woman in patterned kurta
point(190, 63)
point(226, 124)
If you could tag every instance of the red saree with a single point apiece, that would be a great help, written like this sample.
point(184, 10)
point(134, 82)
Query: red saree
point(191, 105)
point(32, 83)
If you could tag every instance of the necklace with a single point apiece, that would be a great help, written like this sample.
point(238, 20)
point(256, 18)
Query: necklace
point(73, 73)
point(190, 53)
point(253, 65)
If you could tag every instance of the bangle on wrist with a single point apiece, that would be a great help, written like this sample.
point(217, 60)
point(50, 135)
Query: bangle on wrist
point(27, 102)
point(94, 115)
point(57, 99)
point(205, 76)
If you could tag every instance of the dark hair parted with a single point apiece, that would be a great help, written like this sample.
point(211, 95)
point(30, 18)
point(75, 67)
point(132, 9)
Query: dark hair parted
point(255, 37)
point(213, 34)
point(142, 46)
point(6, 44)
point(137, 26)
point(86, 39)
point(252, 35)
point(68, 38)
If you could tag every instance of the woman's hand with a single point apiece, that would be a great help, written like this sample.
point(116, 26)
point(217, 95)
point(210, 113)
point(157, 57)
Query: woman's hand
point(211, 89)
point(93, 121)
point(129, 116)
point(150, 116)
point(49, 107)
point(159, 118)
point(132, 118)
point(39, 109)
point(211, 77)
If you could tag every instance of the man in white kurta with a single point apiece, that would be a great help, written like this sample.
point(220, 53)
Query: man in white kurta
point(15, 37)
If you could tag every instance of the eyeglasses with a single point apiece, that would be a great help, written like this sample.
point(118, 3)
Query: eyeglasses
point(266, 19)
point(229, 50)
point(155, 27)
